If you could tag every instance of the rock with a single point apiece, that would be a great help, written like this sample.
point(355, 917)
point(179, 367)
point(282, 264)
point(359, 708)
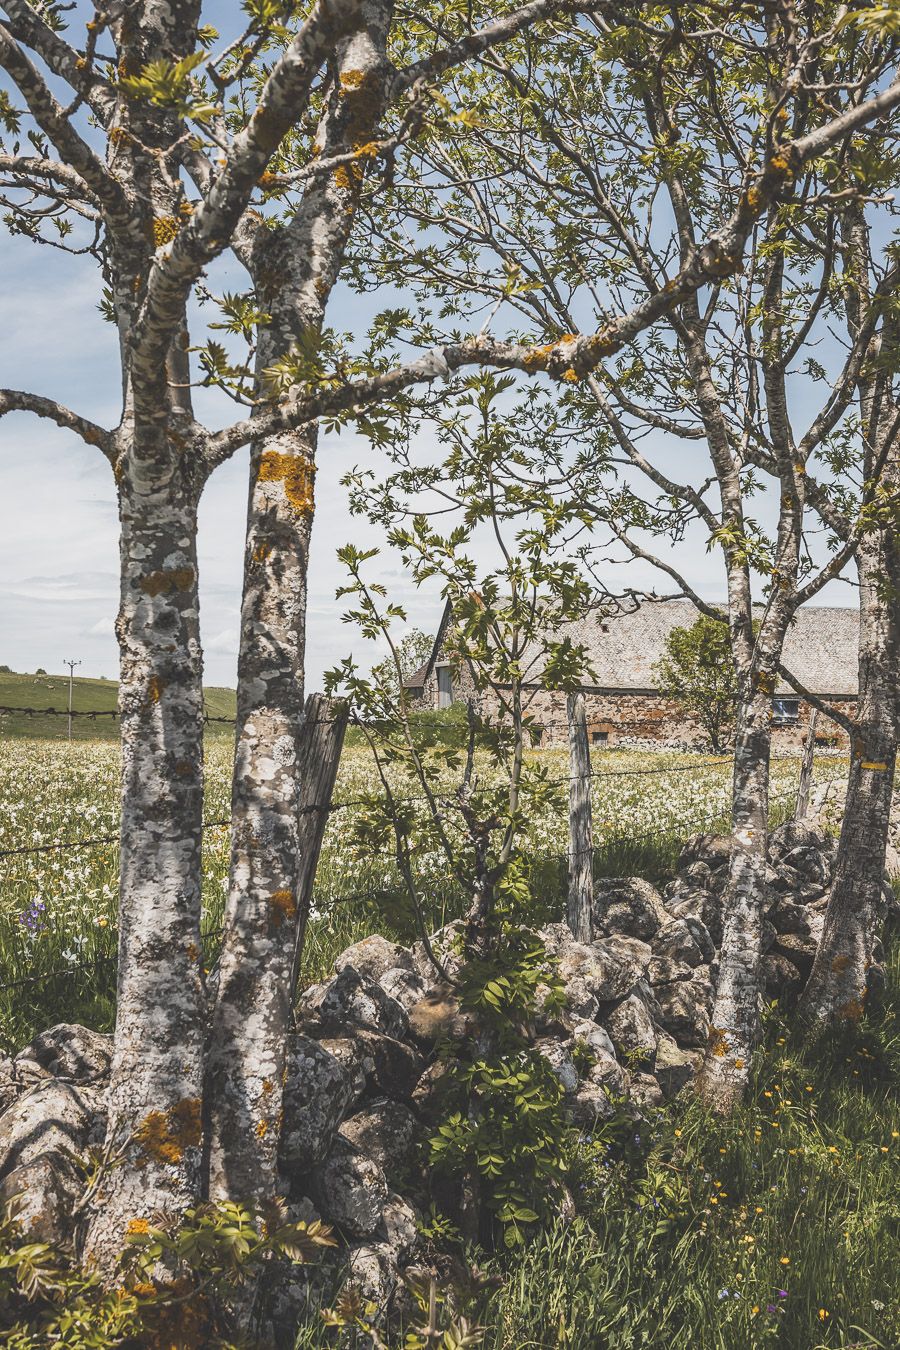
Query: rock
point(594, 1037)
point(352, 999)
point(645, 1091)
point(684, 1012)
point(590, 1106)
point(372, 1272)
point(374, 956)
point(701, 904)
point(799, 949)
point(558, 1055)
point(72, 1052)
point(351, 1054)
point(606, 1072)
point(53, 1120)
point(701, 935)
point(712, 849)
point(401, 1226)
point(446, 944)
point(384, 1131)
point(42, 1193)
point(663, 970)
point(627, 906)
point(351, 1190)
point(392, 1068)
point(787, 917)
point(674, 1068)
point(627, 950)
point(676, 942)
point(781, 978)
point(319, 1090)
point(430, 1091)
point(631, 1028)
point(405, 986)
point(436, 1017)
point(602, 971)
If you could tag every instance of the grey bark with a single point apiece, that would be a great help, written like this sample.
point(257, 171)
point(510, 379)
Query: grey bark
point(581, 835)
point(156, 1083)
point(295, 269)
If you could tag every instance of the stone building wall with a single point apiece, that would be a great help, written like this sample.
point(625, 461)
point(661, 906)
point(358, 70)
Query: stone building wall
point(642, 717)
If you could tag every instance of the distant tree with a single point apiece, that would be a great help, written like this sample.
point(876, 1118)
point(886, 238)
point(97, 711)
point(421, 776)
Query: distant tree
point(697, 671)
point(40, 671)
point(412, 651)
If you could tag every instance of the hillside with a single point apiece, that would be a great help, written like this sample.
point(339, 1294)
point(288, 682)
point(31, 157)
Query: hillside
point(91, 696)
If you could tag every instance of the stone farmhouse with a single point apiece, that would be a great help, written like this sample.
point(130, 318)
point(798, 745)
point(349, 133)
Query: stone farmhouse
point(625, 708)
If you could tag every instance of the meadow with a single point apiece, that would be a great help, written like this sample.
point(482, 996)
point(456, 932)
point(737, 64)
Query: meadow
point(776, 1228)
point(58, 904)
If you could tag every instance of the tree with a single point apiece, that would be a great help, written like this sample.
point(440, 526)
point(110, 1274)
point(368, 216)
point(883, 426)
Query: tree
point(723, 370)
point(412, 651)
point(697, 671)
point(162, 158)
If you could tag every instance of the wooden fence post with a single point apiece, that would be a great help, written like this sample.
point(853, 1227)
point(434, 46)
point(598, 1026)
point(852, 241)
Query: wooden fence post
point(318, 759)
point(806, 769)
point(581, 841)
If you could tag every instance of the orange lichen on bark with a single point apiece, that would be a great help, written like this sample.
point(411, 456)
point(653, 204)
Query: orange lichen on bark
point(167, 580)
point(155, 687)
point(297, 474)
point(262, 1129)
point(165, 229)
point(162, 1136)
point(282, 906)
point(852, 1010)
point(718, 1042)
point(261, 552)
point(136, 1227)
point(353, 79)
point(840, 964)
point(346, 175)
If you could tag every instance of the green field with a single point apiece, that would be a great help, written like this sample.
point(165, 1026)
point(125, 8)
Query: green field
point(88, 696)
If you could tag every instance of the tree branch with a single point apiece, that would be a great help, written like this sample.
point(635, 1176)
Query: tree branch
point(16, 400)
point(27, 27)
point(51, 119)
point(212, 225)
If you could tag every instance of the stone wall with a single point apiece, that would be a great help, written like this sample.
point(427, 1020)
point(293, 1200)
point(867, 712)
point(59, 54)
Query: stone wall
point(642, 718)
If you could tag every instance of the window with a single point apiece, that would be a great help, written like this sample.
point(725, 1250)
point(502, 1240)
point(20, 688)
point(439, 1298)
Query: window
point(445, 687)
point(599, 737)
point(785, 711)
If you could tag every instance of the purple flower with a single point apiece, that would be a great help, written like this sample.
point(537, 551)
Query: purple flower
point(782, 1293)
point(770, 1307)
point(723, 1293)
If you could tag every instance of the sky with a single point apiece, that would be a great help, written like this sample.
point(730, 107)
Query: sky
point(58, 527)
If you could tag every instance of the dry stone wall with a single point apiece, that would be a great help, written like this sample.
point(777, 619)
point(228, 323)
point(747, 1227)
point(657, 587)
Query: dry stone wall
point(364, 1079)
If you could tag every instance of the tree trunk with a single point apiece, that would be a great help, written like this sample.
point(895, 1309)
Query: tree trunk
point(581, 835)
point(156, 1086)
point(837, 985)
point(250, 1021)
point(735, 1019)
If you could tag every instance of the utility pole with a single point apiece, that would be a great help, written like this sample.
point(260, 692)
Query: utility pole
point(71, 665)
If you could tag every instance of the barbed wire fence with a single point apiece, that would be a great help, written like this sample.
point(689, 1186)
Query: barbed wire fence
point(675, 829)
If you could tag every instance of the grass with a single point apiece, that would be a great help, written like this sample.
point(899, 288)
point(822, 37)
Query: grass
point(88, 696)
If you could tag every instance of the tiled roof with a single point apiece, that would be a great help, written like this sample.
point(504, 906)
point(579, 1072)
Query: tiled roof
point(820, 650)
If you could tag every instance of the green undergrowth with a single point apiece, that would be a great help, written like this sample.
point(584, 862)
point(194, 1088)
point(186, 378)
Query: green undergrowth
point(777, 1227)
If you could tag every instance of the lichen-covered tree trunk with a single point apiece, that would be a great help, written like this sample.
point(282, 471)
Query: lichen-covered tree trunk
point(251, 1016)
point(837, 985)
point(735, 1017)
point(246, 1060)
point(155, 1091)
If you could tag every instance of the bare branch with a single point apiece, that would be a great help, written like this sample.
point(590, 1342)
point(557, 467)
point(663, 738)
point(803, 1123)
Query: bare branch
point(16, 400)
point(51, 119)
point(27, 27)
